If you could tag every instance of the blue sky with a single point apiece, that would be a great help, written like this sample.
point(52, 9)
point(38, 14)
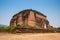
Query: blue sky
point(51, 8)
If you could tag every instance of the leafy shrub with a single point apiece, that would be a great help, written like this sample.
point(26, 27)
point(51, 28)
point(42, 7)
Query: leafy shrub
point(58, 29)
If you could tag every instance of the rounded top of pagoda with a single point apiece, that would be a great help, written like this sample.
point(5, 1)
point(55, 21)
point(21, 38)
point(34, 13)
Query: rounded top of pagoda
point(29, 11)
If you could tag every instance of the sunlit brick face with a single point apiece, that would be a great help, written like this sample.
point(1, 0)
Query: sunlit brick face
point(29, 17)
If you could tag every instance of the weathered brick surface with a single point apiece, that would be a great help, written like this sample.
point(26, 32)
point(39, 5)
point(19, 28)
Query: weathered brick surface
point(30, 17)
point(29, 30)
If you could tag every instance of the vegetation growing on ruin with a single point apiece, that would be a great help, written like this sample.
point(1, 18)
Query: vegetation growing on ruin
point(12, 29)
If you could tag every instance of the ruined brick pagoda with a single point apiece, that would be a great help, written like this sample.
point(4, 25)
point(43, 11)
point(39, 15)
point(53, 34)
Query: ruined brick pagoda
point(30, 17)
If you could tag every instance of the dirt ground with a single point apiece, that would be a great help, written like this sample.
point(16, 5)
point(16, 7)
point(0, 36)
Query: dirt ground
point(30, 36)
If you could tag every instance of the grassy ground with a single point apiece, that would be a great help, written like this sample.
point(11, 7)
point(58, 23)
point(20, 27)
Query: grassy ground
point(30, 36)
